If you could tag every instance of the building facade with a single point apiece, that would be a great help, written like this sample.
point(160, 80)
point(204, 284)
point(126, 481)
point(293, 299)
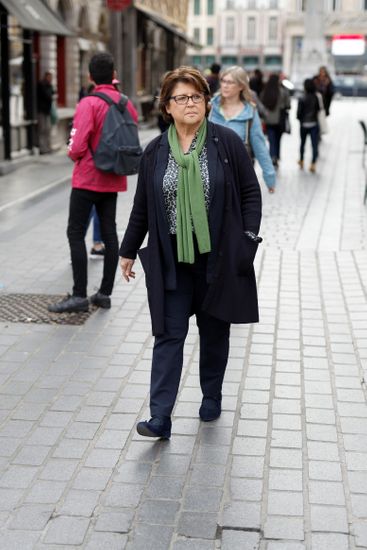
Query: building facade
point(247, 33)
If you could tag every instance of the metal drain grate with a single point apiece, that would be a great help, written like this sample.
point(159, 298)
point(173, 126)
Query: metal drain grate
point(32, 308)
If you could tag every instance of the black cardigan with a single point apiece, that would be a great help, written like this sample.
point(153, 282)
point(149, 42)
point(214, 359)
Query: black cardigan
point(235, 206)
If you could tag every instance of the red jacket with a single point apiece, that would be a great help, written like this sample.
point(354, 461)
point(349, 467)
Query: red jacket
point(87, 128)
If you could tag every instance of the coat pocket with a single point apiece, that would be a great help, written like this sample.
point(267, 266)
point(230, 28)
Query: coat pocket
point(246, 255)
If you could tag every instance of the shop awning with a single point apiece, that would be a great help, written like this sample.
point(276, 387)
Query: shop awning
point(34, 15)
point(163, 23)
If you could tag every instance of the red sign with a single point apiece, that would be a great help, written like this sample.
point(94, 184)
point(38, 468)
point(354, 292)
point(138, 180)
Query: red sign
point(118, 5)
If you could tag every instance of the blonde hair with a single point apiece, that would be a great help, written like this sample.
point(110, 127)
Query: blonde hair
point(241, 78)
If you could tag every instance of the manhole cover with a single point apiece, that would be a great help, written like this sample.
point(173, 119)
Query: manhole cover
point(32, 308)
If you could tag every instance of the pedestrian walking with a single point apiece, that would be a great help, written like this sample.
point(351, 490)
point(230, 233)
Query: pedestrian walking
point(213, 78)
point(256, 82)
point(91, 186)
point(277, 102)
point(307, 112)
point(200, 202)
point(235, 107)
point(45, 94)
point(324, 85)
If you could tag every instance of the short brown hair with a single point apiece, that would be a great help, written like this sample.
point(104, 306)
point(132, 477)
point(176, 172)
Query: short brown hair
point(189, 75)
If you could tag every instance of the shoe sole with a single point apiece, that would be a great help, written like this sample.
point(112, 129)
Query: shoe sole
point(209, 419)
point(145, 431)
point(101, 305)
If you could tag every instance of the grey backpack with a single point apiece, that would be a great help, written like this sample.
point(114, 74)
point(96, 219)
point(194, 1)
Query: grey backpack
point(118, 150)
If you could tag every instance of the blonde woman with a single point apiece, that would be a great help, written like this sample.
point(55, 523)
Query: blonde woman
point(235, 107)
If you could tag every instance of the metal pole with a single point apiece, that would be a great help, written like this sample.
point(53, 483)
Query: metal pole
point(5, 88)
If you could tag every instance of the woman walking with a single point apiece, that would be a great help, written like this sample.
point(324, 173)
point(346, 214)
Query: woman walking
point(276, 100)
point(199, 200)
point(308, 108)
point(235, 107)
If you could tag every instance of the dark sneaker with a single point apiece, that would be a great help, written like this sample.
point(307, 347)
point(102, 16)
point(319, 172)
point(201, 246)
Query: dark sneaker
point(96, 254)
point(101, 300)
point(157, 426)
point(70, 304)
point(210, 409)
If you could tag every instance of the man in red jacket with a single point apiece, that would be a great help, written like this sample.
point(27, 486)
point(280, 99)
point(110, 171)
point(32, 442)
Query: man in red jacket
point(91, 186)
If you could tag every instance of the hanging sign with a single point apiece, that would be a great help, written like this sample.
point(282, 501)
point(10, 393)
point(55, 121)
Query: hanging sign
point(118, 5)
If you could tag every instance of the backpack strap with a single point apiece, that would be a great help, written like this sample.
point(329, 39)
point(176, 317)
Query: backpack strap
point(120, 105)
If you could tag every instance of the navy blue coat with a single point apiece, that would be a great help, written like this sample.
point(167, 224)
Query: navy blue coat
point(235, 206)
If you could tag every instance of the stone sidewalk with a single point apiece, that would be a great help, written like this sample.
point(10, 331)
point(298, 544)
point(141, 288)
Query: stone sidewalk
point(285, 466)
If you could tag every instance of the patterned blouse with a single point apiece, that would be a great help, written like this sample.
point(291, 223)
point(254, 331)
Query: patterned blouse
point(170, 181)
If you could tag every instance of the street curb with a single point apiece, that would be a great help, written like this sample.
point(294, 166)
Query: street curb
point(47, 188)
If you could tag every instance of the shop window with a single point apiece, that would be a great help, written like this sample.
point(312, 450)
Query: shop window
point(251, 28)
point(250, 61)
point(196, 60)
point(273, 60)
point(209, 60)
point(197, 35)
point(210, 7)
point(229, 60)
point(196, 7)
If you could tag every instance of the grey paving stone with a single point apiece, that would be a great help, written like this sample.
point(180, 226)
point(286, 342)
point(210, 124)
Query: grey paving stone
point(244, 515)
point(91, 414)
point(359, 529)
point(283, 528)
point(112, 439)
point(329, 519)
point(106, 541)
point(19, 540)
point(18, 477)
point(212, 454)
point(207, 474)
point(16, 428)
point(197, 525)
point(286, 406)
point(59, 470)
point(9, 498)
point(322, 451)
point(357, 482)
point(143, 451)
point(356, 461)
point(285, 546)
point(31, 455)
point(326, 492)
point(207, 500)
point(65, 530)
point(158, 512)
point(246, 489)
point(359, 506)
point(123, 495)
point(285, 503)
point(133, 472)
point(249, 446)
point(82, 430)
point(31, 517)
point(79, 503)
point(193, 544)
point(46, 492)
point(121, 421)
point(94, 479)
point(215, 435)
point(71, 448)
point(285, 458)
point(254, 428)
point(320, 416)
point(247, 466)
point(45, 436)
point(235, 540)
point(289, 439)
point(115, 521)
point(165, 487)
point(154, 537)
point(183, 444)
point(324, 471)
point(330, 540)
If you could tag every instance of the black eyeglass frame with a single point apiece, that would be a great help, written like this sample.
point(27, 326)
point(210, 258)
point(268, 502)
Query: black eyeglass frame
point(188, 97)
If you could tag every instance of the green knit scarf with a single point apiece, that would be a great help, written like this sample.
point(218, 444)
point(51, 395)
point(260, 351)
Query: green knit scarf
point(191, 211)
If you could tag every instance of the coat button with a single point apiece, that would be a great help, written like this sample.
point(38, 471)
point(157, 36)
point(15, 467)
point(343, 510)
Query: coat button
point(216, 139)
point(226, 161)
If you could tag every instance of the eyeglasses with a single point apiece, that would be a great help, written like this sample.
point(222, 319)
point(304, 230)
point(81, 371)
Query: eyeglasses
point(228, 82)
point(184, 99)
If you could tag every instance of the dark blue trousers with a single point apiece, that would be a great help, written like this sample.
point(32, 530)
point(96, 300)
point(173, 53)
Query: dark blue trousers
point(168, 348)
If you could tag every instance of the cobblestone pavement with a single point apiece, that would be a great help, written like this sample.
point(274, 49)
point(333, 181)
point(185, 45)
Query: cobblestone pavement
point(285, 466)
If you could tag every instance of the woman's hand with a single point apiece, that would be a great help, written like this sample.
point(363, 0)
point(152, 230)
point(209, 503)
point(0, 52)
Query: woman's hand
point(126, 265)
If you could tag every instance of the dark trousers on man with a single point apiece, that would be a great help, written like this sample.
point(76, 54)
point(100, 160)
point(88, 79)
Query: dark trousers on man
point(168, 348)
point(274, 134)
point(81, 203)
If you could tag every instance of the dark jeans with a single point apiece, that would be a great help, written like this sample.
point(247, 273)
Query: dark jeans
point(168, 348)
point(274, 135)
point(314, 134)
point(81, 203)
